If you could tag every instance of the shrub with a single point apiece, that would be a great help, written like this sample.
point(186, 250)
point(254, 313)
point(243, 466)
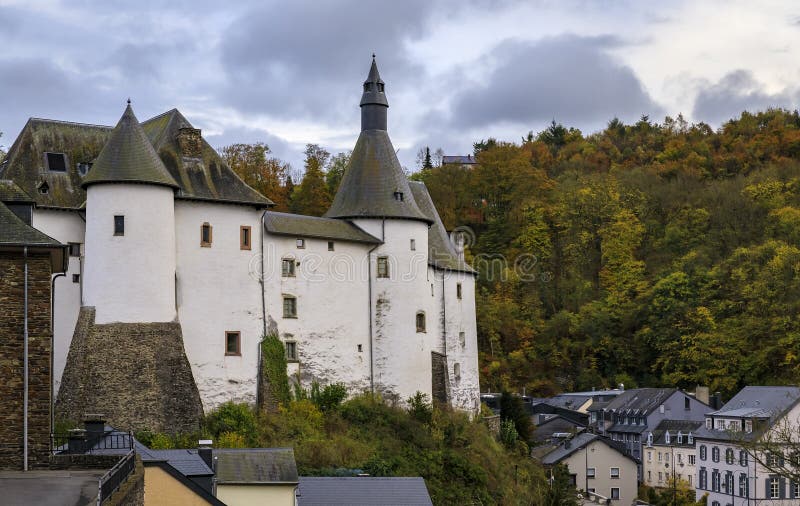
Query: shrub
point(330, 397)
point(230, 440)
point(231, 417)
point(419, 408)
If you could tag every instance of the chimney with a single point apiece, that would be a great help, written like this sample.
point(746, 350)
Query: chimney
point(716, 401)
point(76, 442)
point(702, 394)
point(95, 425)
point(204, 451)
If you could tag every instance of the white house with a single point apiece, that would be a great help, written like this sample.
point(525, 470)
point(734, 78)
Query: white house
point(375, 294)
point(733, 467)
point(668, 455)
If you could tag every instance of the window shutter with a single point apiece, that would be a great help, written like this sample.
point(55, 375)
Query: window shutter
point(780, 461)
point(782, 490)
point(767, 489)
point(791, 489)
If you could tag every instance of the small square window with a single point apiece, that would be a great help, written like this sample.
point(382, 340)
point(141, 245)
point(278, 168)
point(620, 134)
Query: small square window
point(457, 371)
point(590, 472)
point(383, 267)
point(330, 245)
point(56, 162)
point(74, 249)
point(76, 278)
point(233, 343)
point(289, 307)
point(615, 493)
point(119, 225)
point(462, 339)
point(300, 243)
point(420, 322)
point(287, 267)
point(244, 237)
point(205, 235)
point(360, 348)
point(615, 472)
point(458, 290)
point(413, 245)
point(291, 350)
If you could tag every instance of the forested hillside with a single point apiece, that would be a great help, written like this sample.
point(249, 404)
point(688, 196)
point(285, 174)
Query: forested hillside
point(646, 254)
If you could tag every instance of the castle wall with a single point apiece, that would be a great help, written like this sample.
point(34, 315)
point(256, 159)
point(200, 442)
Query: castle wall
point(12, 268)
point(332, 308)
point(65, 227)
point(461, 340)
point(218, 291)
point(130, 277)
point(402, 355)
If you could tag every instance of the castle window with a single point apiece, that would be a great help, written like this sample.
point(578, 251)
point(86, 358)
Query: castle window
point(289, 306)
point(43, 188)
point(74, 249)
point(367, 86)
point(244, 237)
point(413, 245)
point(383, 267)
point(420, 321)
point(76, 278)
point(398, 196)
point(330, 245)
point(83, 168)
point(205, 235)
point(380, 87)
point(56, 162)
point(462, 339)
point(119, 225)
point(233, 344)
point(291, 351)
point(360, 348)
point(300, 243)
point(458, 290)
point(287, 267)
point(457, 371)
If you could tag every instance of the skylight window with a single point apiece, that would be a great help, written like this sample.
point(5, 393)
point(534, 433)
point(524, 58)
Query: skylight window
point(56, 162)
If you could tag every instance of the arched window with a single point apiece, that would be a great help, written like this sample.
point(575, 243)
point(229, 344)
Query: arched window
point(680, 437)
point(457, 371)
point(420, 321)
point(650, 439)
point(715, 453)
point(743, 488)
point(691, 438)
point(729, 456)
point(666, 437)
point(742, 458)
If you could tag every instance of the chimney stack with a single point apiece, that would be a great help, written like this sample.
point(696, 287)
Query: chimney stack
point(204, 451)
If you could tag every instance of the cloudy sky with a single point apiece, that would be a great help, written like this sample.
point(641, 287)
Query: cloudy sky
point(290, 73)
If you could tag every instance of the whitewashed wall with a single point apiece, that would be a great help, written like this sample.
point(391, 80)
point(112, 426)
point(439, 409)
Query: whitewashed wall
point(460, 317)
point(402, 355)
point(332, 308)
point(130, 278)
point(218, 290)
point(65, 227)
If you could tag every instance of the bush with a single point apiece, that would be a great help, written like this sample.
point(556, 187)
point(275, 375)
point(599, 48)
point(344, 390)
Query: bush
point(419, 408)
point(231, 417)
point(330, 397)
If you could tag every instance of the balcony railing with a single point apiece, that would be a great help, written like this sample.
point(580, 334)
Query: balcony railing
point(79, 441)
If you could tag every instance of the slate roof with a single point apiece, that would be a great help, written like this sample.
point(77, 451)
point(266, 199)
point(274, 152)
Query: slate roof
point(459, 159)
point(370, 181)
point(205, 178)
point(186, 461)
point(674, 426)
point(640, 400)
point(11, 193)
point(569, 401)
point(759, 402)
point(374, 95)
point(255, 465)
point(297, 225)
point(577, 443)
point(554, 424)
point(441, 252)
point(128, 157)
point(362, 491)
point(15, 233)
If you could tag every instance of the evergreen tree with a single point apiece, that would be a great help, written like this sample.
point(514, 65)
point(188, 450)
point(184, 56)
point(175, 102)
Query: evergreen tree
point(312, 197)
point(427, 164)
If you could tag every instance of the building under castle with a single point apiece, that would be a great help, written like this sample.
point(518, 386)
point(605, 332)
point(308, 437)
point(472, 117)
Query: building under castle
point(177, 269)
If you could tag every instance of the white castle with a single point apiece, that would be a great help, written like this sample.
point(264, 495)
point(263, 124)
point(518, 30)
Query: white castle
point(375, 295)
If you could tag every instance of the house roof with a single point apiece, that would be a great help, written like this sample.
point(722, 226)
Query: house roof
point(569, 401)
point(640, 400)
point(370, 181)
point(441, 252)
point(186, 461)
point(10, 193)
point(685, 427)
point(297, 225)
point(255, 466)
point(128, 157)
point(362, 491)
point(760, 402)
point(555, 424)
point(459, 159)
point(577, 443)
point(206, 177)
point(15, 234)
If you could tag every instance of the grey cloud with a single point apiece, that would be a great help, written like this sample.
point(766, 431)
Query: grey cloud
point(738, 91)
point(570, 78)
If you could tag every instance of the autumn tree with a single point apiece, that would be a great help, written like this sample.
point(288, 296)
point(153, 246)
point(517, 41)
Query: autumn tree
point(263, 173)
point(312, 197)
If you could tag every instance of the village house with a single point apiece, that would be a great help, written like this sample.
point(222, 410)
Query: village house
point(182, 268)
point(669, 454)
point(742, 448)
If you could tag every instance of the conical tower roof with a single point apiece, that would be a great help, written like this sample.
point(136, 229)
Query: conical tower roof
point(129, 157)
point(374, 184)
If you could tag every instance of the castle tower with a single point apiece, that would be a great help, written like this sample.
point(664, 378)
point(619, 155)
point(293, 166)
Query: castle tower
point(375, 195)
point(129, 274)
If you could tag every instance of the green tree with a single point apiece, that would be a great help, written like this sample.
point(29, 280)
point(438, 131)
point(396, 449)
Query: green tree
point(335, 171)
point(312, 196)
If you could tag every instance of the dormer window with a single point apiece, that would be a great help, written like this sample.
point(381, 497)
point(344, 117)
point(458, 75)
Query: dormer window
point(367, 86)
point(650, 439)
point(380, 87)
point(667, 437)
point(680, 437)
point(398, 196)
point(56, 162)
point(690, 438)
point(83, 168)
point(43, 188)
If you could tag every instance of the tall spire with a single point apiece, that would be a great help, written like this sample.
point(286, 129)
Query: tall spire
point(373, 101)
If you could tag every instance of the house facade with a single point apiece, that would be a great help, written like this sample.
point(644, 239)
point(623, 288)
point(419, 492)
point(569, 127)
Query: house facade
point(669, 454)
point(165, 239)
point(741, 455)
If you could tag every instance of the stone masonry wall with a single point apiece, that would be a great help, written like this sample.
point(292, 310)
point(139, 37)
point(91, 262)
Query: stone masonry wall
point(136, 374)
point(439, 378)
point(11, 360)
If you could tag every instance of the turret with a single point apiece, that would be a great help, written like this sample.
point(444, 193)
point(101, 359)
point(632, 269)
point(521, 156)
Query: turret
point(129, 273)
point(373, 101)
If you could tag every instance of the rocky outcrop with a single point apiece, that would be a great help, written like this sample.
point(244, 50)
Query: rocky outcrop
point(136, 374)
